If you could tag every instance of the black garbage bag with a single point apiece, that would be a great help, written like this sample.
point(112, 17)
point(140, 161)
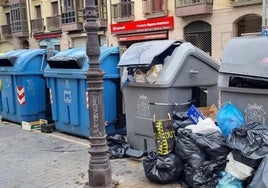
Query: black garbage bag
point(180, 120)
point(214, 145)
point(251, 140)
point(117, 146)
point(162, 169)
point(207, 175)
point(181, 116)
point(188, 150)
point(260, 179)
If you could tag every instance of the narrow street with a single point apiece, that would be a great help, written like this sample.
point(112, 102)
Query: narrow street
point(31, 159)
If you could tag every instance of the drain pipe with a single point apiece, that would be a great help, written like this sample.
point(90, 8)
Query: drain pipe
point(29, 18)
point(264, 21)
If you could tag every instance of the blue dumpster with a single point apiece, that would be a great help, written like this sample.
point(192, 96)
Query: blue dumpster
point(66, 79)
point(23, 85)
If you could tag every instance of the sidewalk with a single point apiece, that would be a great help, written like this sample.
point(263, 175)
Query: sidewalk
point(31, 159)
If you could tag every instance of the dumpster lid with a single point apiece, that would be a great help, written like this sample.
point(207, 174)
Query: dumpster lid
point(18, 60)
point(147, 53)
point(8, 61)
point(67, 62)
point(76, 58)
point(246, 56)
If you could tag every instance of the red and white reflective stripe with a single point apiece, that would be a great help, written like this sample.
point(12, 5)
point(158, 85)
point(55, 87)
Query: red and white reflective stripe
point(21, 95)
point(50, 96)
point(87, 99)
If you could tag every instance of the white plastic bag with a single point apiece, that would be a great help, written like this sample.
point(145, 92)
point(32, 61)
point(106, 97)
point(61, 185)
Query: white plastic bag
point(206, 126)
point(237, 169)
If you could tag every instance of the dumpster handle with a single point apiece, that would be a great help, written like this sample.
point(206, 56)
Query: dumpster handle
point(42, 64)
point(193, 72)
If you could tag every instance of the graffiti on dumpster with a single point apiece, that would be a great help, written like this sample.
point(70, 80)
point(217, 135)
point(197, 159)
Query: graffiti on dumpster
point(135, 53)
point(143, 106)
point(31, 87)
point(255, 112)
point(67, 97)
point(6, 84)
point(67, 84)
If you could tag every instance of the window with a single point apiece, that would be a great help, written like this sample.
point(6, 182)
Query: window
point(38, 11)
point(103, 9)
point(157, 6)
point(72, 11)
point(18, 14)
point(8, 18)
point(55, 8)
point(126, 8)
point(68, 5)
point(191, 2)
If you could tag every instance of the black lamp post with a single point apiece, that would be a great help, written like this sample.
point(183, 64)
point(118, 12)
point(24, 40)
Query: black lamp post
point(99, 172)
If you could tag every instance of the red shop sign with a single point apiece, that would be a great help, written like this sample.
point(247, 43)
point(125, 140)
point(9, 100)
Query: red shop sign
point(47, 35)
point(156, 24)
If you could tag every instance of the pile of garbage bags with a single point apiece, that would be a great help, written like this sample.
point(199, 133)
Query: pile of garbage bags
point(227, 154)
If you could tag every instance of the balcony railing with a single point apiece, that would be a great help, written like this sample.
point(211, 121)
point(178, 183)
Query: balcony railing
point(193, 7)
point(238, 3)
point(72, 20)
point(53, 23)
point(6, 30)
point(37, 25)
point(155, 8)
point(123, 11)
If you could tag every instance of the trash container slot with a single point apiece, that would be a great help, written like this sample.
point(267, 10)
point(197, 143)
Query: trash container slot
point(8, 62)
point(66, 63)
point(182, 107)
point(170, 104)
point(247, 83)
point(199, 96)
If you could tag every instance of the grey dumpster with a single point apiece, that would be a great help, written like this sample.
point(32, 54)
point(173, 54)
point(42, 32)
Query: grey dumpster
point(243, 77)
point(188, 75)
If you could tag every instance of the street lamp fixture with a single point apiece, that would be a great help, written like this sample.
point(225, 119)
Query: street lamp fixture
point(99, 172)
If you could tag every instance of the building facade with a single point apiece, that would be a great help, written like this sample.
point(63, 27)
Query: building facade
point(58, 24)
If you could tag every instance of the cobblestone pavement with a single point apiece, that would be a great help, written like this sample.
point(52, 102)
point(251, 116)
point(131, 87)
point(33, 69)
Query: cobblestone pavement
point(31, 159)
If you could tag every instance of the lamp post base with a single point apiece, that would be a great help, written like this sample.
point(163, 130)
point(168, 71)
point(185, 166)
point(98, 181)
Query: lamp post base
point(100, 176)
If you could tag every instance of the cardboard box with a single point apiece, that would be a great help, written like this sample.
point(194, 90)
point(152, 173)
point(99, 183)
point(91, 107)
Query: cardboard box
point(209, 112)
point(34, 125)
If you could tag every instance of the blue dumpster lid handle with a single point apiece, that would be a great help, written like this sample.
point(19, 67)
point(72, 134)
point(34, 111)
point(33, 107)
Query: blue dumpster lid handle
point(143, 53)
